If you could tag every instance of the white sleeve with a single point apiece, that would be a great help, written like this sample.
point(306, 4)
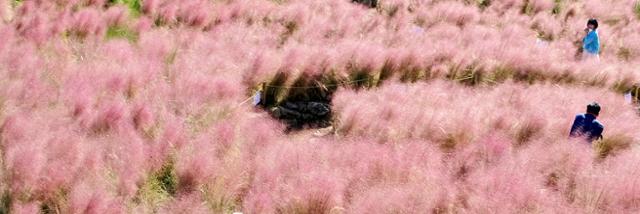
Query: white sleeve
point(256, 98)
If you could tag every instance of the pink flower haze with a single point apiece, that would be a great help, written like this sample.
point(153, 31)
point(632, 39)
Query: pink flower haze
point(142, 106)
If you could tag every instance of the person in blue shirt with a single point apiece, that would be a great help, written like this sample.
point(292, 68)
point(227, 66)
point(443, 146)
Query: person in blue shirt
point(586, 125)
point(591, 42)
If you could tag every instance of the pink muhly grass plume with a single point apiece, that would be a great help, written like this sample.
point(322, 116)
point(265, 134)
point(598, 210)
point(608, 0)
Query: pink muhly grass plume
point(505, 184)
point(225, 134)
point(79, 102)
point(263, 65)
point(264, 132)
point(290, 192)
point(65, 162)
point(196, 165)
point(173, 135)
point(168, 13)
point(142, 116)
point(406, 198)
point(607, 9)
point(109, 118)
point(86, 22)
point(115, 16)
point(8, 35)
point(537, 6)
point(150, 6)
point(539, 177)
point(362, 172)
point(129, 159)
point(618, 182)
point(454, 13)
point(547, 27)
point(25, 208)
point(97, 3)
point(6, 12)
point(24, 164)
point(143, 24)
point(195, 13)
point(159, 45)
point(398, 169)
point(87, 198)
point(31, 25)
point(607, 187)
point(630, 48)
point(489, 150)
point(188, 203)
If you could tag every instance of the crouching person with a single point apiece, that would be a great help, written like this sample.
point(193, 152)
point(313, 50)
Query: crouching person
point(586, 125)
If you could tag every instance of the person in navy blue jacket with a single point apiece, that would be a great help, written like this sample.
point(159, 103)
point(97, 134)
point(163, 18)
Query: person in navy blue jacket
point(586, 125)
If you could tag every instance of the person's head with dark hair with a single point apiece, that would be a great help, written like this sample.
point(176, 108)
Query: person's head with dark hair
point(586, 125)
point(593, 108)
point(592, 24)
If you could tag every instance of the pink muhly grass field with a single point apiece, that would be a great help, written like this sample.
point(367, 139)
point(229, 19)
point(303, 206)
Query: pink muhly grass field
point(142, 106)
